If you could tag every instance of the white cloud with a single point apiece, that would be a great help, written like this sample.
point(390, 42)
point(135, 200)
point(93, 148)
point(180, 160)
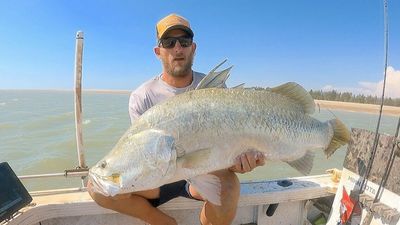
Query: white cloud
point(371, 88)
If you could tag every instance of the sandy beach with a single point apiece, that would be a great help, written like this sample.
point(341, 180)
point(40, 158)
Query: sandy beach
point(357, 107)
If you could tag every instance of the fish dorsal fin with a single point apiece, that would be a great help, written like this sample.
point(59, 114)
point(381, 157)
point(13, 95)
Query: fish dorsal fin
point(215, 79)
point(298, 94)
point(208, 186)
point(304, 164)
point(195, 159)
point(220, 64)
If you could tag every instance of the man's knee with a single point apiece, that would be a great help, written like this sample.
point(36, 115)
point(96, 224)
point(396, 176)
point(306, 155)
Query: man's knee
point(101, 200)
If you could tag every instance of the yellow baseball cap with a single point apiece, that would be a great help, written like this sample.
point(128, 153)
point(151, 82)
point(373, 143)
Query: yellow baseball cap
point(170, 22)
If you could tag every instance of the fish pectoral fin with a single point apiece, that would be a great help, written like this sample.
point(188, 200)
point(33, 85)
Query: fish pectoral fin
point(298, 94)
point(208, 186)
point(304, 164)
point(180, 151)
point(195, 159)
point(215, 79)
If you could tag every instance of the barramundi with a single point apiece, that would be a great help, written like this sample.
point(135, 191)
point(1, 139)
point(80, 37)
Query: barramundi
point(204, 130)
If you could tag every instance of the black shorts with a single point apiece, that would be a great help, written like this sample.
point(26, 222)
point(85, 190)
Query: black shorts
point(171, 191)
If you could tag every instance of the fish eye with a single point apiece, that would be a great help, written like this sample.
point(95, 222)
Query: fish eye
point(103, 164)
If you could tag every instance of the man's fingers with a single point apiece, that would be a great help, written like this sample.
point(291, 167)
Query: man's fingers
point(237, 168)
point(251, 159)
point(260, 159)
point(245, 163)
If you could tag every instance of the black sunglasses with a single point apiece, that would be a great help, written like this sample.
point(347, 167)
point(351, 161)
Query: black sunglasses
point(171, 41)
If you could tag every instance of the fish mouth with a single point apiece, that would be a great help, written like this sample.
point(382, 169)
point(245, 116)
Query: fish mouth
point(99, 185)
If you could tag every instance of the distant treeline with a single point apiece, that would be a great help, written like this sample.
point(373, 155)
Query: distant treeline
point(350, 97)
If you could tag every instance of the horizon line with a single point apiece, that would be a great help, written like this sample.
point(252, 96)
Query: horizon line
point(116, 91)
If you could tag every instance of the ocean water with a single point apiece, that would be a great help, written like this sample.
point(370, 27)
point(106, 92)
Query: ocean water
point(37, 134)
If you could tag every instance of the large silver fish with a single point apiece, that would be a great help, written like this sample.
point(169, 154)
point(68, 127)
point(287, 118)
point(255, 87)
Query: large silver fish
point(204, 130)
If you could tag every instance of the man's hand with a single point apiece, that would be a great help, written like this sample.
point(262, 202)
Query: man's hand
point(247, 161)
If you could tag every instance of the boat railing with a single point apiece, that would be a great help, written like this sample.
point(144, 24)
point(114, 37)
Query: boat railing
point(67, 173)
point(81, 170)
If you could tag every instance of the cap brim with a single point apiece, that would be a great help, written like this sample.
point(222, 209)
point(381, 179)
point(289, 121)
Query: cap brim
point(181, 27)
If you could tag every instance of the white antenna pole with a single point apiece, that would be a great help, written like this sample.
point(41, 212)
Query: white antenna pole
point(78, 98)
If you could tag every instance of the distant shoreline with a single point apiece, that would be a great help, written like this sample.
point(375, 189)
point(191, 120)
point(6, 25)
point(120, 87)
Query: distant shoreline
point(357, 107)
point(345, 106)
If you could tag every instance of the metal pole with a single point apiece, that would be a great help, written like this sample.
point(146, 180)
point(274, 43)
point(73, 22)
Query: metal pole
point(78, 98)
point(71, 174)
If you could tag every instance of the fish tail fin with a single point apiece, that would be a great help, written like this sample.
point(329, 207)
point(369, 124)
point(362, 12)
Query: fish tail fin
point(341, 136)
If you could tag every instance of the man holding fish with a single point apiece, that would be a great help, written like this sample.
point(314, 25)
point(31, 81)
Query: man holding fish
point(176, 51)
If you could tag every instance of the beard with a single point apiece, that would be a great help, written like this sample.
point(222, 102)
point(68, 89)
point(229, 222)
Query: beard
point(179, 71)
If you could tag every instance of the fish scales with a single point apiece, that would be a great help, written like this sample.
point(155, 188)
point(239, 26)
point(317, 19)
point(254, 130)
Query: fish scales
point(220, 114)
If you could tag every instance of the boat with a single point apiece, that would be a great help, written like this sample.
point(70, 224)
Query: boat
point(365, 191)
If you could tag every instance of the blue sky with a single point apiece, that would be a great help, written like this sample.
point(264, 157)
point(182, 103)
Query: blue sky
point(319, 44)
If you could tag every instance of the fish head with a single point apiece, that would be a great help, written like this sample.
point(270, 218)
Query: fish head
point(139, 161)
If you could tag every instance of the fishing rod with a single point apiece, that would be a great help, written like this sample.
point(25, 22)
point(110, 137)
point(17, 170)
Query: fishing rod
point(376, 139)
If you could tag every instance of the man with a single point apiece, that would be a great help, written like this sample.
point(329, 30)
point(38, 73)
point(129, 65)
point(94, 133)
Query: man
point(176, 51)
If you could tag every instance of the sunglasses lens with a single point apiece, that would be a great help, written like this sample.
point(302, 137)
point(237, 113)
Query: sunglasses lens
point(185, 42)
point(170, 42)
